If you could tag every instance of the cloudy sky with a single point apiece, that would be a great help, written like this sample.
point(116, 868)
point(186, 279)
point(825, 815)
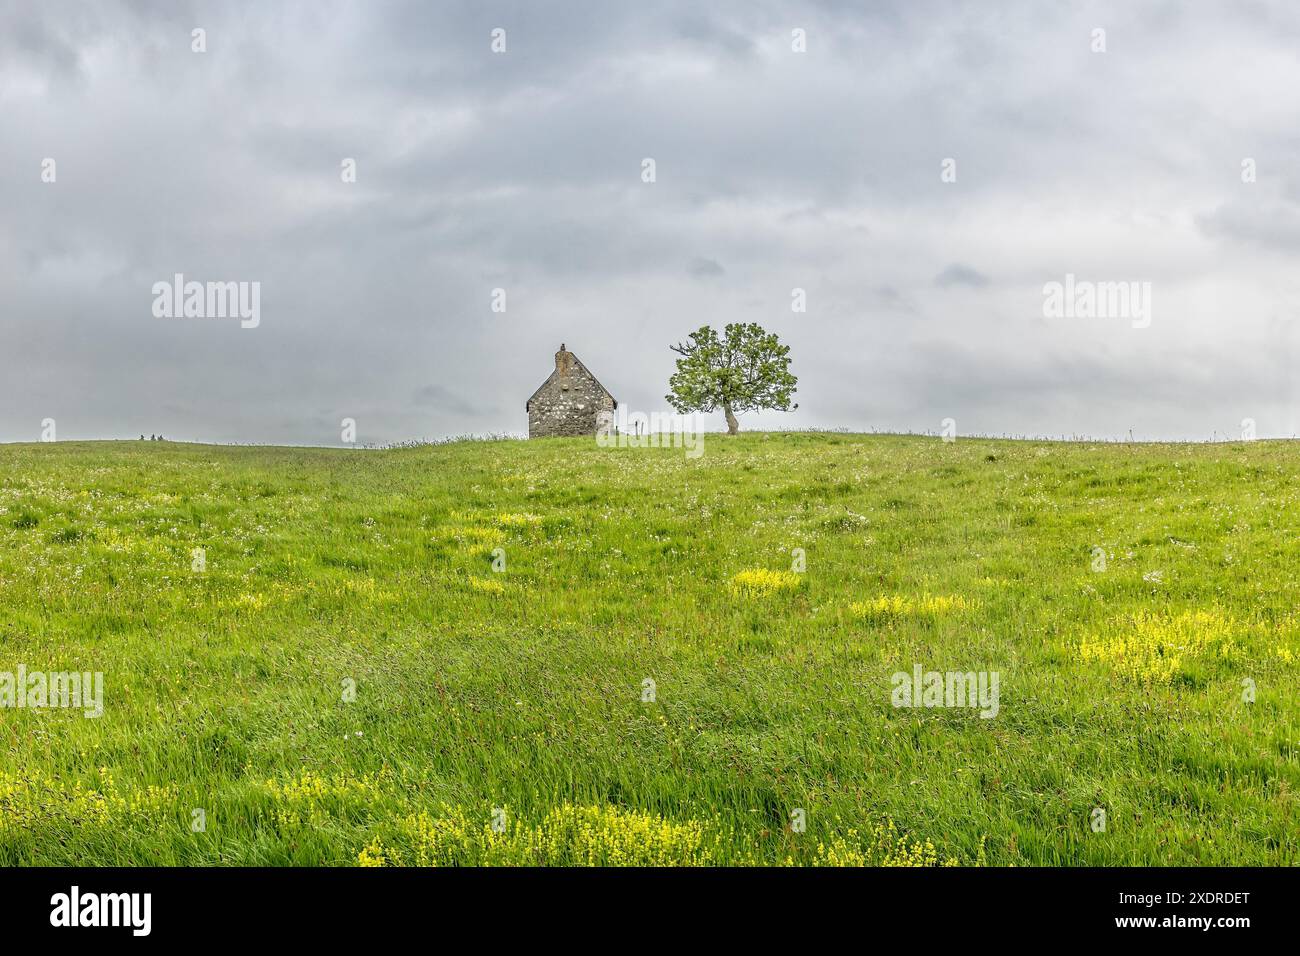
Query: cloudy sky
point(775, 169)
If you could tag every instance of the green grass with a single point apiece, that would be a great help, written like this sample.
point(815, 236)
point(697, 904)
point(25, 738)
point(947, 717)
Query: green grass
point(522, 690)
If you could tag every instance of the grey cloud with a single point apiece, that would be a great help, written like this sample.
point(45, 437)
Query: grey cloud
point(706, 268)
point(1273, 225)
point(464, 402)
point(960, 275)
point(521, 171)
point(890, 298)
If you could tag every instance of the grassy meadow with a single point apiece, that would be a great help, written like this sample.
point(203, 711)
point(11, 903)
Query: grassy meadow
point(345, 678)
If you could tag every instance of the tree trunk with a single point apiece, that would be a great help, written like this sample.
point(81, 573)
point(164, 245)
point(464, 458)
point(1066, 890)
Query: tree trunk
point(733, 426)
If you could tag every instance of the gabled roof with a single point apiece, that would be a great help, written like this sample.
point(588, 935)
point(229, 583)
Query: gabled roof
point(578, 362)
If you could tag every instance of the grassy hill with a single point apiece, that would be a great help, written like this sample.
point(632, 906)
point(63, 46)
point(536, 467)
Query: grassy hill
point(498, 716)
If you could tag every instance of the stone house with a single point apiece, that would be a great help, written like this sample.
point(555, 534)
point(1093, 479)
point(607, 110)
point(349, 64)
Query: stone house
point(571, 403)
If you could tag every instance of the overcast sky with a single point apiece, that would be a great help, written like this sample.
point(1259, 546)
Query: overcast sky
point(522, 170)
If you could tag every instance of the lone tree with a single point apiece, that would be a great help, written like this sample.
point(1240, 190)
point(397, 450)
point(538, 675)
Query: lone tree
point(745, 369)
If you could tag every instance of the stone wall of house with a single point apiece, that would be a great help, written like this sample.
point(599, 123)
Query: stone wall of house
point(570, 404)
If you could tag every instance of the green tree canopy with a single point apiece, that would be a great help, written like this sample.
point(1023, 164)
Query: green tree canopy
point(744, 369)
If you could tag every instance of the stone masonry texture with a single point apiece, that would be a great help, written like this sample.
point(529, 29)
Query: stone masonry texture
point(571, 403)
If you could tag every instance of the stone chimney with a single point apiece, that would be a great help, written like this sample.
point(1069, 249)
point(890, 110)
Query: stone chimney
point(563, 361)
